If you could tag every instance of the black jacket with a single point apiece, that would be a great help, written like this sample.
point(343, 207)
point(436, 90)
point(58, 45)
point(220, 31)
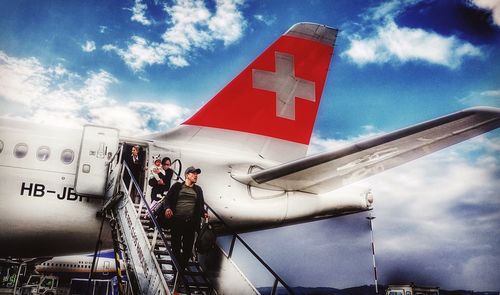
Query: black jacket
point(135, 168)
point(173, 194)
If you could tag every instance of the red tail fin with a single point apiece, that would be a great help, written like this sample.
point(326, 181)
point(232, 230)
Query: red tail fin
point(278, 94)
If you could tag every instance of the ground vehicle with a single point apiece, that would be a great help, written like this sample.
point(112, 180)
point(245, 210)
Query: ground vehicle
point(411, 289)
point(32, 284)
point(47, 285)
point(97, 287)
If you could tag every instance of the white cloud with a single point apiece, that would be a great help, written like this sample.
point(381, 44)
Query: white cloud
point(320, 144)
point(138, 13)
point(388, 9)
point(487, 98)
point(140, 53)
point(189, 19)
point(268, 20)
point(395, 44)
point(89, 46)
point(491, 93)
point(192, 27)
point(493, 5)
point(381, 40)
point(23, 80)
point(55, 96)
point(479, 270)
point(439, 212)
point(226, 24)
point(95, 89)
point(163, 115)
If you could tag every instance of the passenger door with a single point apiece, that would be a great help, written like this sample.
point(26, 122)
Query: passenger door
point(96, 150)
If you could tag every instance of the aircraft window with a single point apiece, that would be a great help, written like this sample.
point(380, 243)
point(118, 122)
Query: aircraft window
point(43, 153)
point(1, 146)
point(67, 156)
point(20, 150)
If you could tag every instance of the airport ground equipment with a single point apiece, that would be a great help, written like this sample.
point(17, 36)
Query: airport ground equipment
point(411, 289)
point(43, 285)
point(146, 248)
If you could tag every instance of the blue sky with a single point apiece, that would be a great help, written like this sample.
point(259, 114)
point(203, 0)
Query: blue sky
point(145, 66)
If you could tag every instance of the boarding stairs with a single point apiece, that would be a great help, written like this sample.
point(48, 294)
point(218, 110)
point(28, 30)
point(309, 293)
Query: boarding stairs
point(146, 248)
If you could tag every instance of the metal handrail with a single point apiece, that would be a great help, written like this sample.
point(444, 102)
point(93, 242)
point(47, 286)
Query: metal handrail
point(157, 226)
point(236, 236)
point(180, 169)
point(232, 231)
point(117, 153)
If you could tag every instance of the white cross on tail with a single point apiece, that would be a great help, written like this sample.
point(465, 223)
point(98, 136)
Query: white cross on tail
point(285, 84)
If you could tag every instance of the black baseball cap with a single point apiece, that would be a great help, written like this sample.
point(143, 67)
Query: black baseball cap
point(191, 169)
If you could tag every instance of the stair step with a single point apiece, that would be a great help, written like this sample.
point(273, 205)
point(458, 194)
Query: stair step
point(198, 284)
point(150, 234)
point(169, 262)
point(164, 261)
point(159, 243)
point(185, 273)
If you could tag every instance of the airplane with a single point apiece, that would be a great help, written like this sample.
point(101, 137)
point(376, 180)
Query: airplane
point(250, 142)
point(80, 266)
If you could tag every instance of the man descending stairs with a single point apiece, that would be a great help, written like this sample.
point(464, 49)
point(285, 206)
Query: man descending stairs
point(151, 266)
point(193, 279)
point(152, 269)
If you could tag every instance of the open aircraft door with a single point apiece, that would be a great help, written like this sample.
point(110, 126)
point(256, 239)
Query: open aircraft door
point(114, 170)
point(96, 151)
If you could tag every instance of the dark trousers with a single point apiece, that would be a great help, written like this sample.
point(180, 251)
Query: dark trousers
point(182, 231)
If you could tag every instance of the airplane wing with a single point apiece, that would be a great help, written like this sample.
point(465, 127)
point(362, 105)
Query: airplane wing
point(331, 170)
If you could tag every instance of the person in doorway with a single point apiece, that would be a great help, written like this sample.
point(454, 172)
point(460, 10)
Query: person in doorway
point(160, 182)
point(184, 205)
point(136, 165)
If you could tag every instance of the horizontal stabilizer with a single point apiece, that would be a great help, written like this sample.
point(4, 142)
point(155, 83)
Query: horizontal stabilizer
point(331, 170)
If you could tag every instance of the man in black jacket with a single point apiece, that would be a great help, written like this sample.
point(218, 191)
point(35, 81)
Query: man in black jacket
point(135, 163)
point(184, 205)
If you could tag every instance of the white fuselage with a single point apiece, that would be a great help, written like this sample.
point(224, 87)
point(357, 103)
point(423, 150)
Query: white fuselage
point(79, 266)
point(40, 213)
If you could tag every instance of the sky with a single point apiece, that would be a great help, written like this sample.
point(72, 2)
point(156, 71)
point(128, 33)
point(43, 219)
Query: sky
point(146, 66)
